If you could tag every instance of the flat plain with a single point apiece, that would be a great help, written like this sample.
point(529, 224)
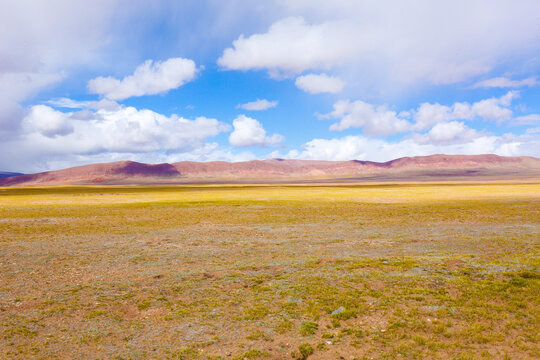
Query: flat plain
point(411, 271)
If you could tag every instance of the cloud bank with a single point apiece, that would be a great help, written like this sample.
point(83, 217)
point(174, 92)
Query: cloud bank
point(392, 42)
point(365, 148)
point(55, 135)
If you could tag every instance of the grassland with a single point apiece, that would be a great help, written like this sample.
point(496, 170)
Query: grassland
point(272, 272)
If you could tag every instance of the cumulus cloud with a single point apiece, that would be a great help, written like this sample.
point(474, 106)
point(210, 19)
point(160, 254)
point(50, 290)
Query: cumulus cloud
point(374, 120)
point(149, 78)
point(258, 105)
point(250, 132)
point(319, 83)
point(15, 88)
point(504, 82)
point(429, 114)
point(132, 130)
point(49, 135)
point(389, 42)
point(498, 109)
point(47, 121)
point(289, 47)
point(448, 133)
point(380, 120)
point(492, 109)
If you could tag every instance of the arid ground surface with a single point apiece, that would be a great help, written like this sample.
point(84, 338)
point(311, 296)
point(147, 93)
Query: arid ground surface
point(449, 271)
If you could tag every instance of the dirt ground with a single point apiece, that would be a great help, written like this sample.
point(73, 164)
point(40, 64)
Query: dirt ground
point(449, 271)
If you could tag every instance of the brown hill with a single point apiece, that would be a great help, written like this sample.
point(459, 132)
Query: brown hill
point(420, 168)
point(271, 168)
point(95, 173)
point(461, 161)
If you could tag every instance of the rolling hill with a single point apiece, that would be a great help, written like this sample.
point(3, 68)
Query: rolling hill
point(421, 168)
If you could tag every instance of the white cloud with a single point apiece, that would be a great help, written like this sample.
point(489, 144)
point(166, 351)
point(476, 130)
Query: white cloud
point(504, 82)
point(448, 133)
point(361, 148)
point(490, 109)
point(374, 120)
point(68, 103)
point(11, 114)
point(258, 105)
point(47, 121)
point(320, 83)
point(15, 88)
point(289, 47)
point(380, 120)
point(149, 78)
point(429, 114)
point(38, 35)
point(391, 42)
point(250, 132)
point(528, 119)
point(364, 148)
point(495, 108)
point(50, 136)
point(213, 152)
point(498, 109)
point(462, 111)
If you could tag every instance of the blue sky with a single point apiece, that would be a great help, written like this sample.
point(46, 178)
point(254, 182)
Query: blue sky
point(167, 81)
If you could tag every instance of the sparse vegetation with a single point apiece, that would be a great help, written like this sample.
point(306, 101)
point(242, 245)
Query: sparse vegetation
point(304, 350)
point(212, 272)
point(308, 328)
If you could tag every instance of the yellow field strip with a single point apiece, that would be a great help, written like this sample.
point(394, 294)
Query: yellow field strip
point(201, 193)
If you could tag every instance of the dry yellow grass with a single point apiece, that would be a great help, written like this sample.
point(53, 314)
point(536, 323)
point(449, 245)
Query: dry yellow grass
point(94, 195)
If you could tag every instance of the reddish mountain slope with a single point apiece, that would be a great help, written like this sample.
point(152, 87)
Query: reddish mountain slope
point(418, 168)
point(95, 173)
point(461, 161)
point(312, 168)
point(271, 168)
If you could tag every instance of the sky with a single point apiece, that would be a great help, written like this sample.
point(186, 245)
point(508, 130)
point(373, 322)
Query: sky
point(202, 80)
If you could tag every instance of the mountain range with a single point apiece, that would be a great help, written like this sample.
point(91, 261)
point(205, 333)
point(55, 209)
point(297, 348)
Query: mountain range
point(421, 168)
point(5, 174)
